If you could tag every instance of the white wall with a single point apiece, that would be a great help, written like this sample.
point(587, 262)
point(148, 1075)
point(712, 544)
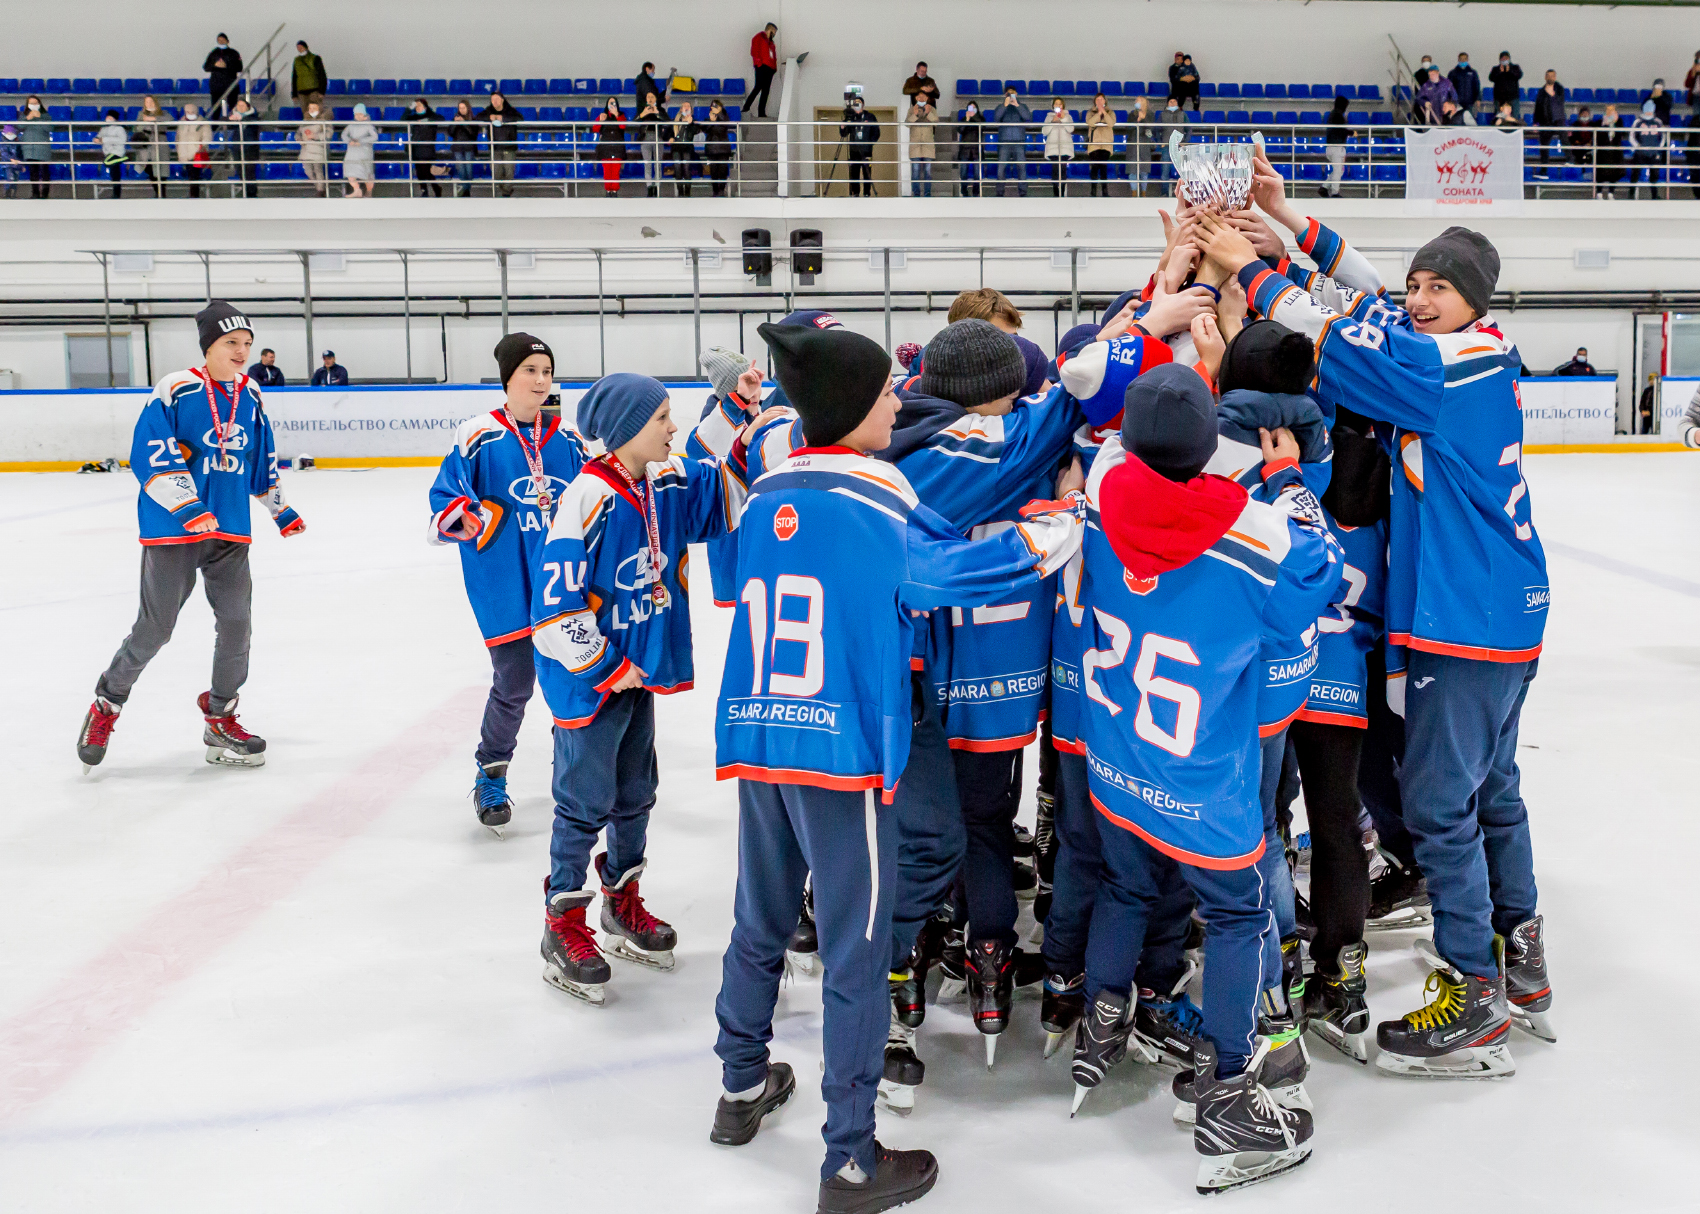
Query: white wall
point(875, 42)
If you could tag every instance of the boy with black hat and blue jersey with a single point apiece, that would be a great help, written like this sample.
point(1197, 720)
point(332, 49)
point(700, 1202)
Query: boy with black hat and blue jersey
point(203, 446)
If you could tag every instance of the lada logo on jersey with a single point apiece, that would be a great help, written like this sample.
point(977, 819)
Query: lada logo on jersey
point(637, 570)
point(1139, 585)
point(524, 489)
point(785, 521)
point(235, 437)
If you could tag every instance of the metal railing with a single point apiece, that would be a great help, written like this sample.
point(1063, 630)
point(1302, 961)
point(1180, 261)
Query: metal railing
point(268, 158)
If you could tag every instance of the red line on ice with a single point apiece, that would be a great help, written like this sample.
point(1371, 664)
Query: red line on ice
point(46, 1045)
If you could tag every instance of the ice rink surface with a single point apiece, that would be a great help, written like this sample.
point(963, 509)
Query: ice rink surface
point(315, 986)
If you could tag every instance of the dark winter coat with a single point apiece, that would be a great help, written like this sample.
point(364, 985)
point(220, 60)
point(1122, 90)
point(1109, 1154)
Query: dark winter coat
point(1467, 84)
point(1549, 109)
point(860, 131)
point(1012, 122)
point(1505, 77)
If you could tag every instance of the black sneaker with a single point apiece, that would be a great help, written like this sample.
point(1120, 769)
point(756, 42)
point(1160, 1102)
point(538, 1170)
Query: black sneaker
point(899, 1178)
point(736, 1121)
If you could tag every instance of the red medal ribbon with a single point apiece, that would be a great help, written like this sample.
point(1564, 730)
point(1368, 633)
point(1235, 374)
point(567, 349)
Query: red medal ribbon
point(646, 499)
point(213, 392)
point(533, 457)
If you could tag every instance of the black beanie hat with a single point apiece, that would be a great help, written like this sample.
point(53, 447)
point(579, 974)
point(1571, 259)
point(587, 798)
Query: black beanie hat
point(1169, 421)
point(515, 348)
point(1267, 356)
point(831, 376)
point(217, 319)
point(1465, 259)
point(972, 362)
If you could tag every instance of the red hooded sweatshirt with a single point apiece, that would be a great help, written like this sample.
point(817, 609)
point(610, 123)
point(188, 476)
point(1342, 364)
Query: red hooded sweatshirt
point(1155, 524)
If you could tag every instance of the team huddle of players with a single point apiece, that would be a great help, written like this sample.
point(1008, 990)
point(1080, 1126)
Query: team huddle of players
point(1259, 527)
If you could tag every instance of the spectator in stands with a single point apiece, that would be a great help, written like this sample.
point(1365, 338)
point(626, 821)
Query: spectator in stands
point(223, 68)
point(504, 142)
point(1578, 365)
point(1661, 100)
point(1608, 153)
point(1420, 76)
point(1432, 97)
point(1141, 147)
point(1506, 78)
point(717, 146)
point(764, 57)
point(1335, 147)
point(921, 119)
point(1452, 114)
point(1691, 87)
point(1648, 405)
point(1170, 122)
point(35, 143)
point(194, 138)
point(1507, 116)
point(1549, 117)
point(1183, 79)
point(332, 374)
point(610, 128)
point(1649, 141)
point(1580, 137)
point(266, 372)
point(422, 147)
point(645, 84)
point(314, 136)
point(682, 147)
point(970, 150)
point(114, 151)
point(11, 159)
point(1100, 145)
point(1466, 83)
point(153, 148)
point(1058, 129)
point(1012, 120)
point(860, 130)
point(244, 138)
point(307, 79)
point(922, 85)
point(651, 117)
point(361, 137)
point(463, 145)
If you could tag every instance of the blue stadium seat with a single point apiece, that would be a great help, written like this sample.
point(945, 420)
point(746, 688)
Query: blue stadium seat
point(1263, 117)
point(535, 88)
point(1214, 117)
point(1239, 116)
point(1626, 96)
point(84, 85)
point(1035, 87)
point(1387, 172)
point(1286, 118)
point(709, 86)
point(1357, 172)
point(967, 88)
point(527, 112)
point(1157, 88)
point(1580, 95)
point(383, 88)
point(1110, 88)
point(435, 88)
point(359, 88)
point(608, 86)
point(59, 113)
point(1312, 172)
point(35, 84)
point(1311, 117)
point(733, 112)
point(409, 88)
point(1274, 91)
point(1133, 88)
point(553, 169)
point(394, 113)
point(991, 88)
point(1298, 90)
point(459, 88)
point(11, 85)
point(736, 86)
point(343, 113)
point(579, 113)
point(57, 84)
point(560, 87)
point(484, 86)
point(131, 84)
point(1019, 86)
point(1322, 92)
point(1250, 91)
point(1369, 92)
point(1227, 91)
point(85, 113)
point(550, 113)
point(1208, 89)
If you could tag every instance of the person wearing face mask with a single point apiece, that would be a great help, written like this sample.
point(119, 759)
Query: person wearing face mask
point(1649, 142)
point(1549, 117)
point(1608, 153)
point(422, 127)
point(1141, 148)
point(194, 134)
point(860, 131)
point(970, 150)
point(35, 145)
point(1059, 144)
point(314, 136)
point(1012, 120)
point(153, 150)
point(1421, 74)
point(1505, 78)
point(1661, 100)
point(1169, 121)
point(1466, 83)
point(1432, 97)
point(223, 67)
point(921, 119)
point(1100, 144)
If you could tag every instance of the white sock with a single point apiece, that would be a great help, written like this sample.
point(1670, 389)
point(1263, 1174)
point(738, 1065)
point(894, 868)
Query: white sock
point(852, 1172)
point(747, 1095)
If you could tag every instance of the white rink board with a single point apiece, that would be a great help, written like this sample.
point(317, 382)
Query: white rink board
point(1568, 410)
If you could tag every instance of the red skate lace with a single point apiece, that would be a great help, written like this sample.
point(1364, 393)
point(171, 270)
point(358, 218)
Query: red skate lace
point(100, 726)
point(575, 934)
point(229, 728)
point(630, 910)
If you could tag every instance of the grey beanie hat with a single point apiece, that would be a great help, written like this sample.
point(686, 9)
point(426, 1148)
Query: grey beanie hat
point(972, 362)
point(723, 367)
point(1465, 259)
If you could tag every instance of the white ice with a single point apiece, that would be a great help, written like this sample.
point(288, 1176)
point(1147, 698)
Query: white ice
point(315, 986)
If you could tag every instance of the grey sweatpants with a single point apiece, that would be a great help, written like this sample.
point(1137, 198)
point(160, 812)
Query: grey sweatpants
point(168, 578)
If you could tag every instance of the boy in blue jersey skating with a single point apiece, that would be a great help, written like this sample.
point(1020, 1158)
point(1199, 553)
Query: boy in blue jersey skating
point(816, 708)
point(1184, 575)
point(1467, 595)
point(495, 495)
point(611, 624)
point(203, 446)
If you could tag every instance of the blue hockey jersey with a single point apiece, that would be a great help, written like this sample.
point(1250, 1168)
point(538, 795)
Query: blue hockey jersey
point(836, 552)
point(187, 474)
point(1466, 575)
point(1349, 630)
point(712, 438)
point(593, 605)
point(486, 474)
point(1171, 663)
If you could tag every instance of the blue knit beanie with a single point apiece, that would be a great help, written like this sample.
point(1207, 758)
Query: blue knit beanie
point(618, 406)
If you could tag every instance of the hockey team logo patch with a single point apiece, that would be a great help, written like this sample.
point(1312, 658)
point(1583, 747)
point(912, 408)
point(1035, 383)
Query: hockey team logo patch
point(1139, 585)
point(785, 522)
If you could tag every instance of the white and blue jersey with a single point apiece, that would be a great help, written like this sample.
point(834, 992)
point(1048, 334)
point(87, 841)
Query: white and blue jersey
point(595, 611)
point(1066, 643)
point(486, 474)
point(712, 438)
point(1349, 629)
point(837, 550)
point(187, 474)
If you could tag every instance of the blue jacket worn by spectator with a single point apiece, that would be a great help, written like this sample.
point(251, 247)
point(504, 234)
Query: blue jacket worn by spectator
point(333, 376)
point(1549, 106)
point(1432, 95)
point(1466, 83)
point(1012, 120)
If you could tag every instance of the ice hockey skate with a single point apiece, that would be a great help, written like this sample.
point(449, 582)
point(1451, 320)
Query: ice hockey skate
point(1045, 861)
point(227, 743)
point(634, 933)
point(953, 965)
point(1460, 1034)
point(1062, 1003)
point(1100, 1041)
point(736, 1121)
point(1398, 899)
point(802, 951)
point(1526, 987)
point(1335, 1008)
point(1168, 1027)
point(1281, 1063)
point(490, 797)
point(1241, 1133)
point(991, 987)
point(904, 1070)
point(571, 960)
point(899, 1178)
point(97, 729)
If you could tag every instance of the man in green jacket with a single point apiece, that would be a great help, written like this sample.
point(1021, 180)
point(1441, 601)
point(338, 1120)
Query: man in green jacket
point(308, 81)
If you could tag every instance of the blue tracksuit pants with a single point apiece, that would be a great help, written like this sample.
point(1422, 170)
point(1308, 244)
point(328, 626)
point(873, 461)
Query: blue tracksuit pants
point(1463, 800)
point(1238, 927)
point(513, 676)
point(605, 777)
point(848, 841)
point(1378, 765)
point(1277, 877)
point(930, 834)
